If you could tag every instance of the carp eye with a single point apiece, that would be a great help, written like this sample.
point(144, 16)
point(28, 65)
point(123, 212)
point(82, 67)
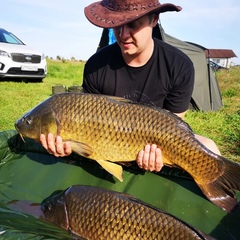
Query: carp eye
point(49, 207)
point(28, 120)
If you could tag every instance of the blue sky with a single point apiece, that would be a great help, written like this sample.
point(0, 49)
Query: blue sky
point(59, 28)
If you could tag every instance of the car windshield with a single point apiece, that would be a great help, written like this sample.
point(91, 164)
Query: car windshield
point(7, 37)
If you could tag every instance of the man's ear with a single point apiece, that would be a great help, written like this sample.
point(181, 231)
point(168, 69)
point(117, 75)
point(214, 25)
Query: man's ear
point(155, 20)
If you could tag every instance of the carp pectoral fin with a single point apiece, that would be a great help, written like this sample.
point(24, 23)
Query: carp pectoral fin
point(126, 164)
point(113, 168)
point(81, 148)
point(168, 162)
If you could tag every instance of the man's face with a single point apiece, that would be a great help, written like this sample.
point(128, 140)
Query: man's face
point(134, 37)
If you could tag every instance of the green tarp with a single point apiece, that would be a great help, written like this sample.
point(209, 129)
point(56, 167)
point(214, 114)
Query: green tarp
point(28, 173)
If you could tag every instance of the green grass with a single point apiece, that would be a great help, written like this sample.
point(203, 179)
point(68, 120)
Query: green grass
point(16, 98)
point(222, 126)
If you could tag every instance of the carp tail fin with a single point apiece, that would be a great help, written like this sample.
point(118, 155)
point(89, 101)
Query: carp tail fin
point(221, 191)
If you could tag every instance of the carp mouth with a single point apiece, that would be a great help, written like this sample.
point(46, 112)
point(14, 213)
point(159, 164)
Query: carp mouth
point(21, 135)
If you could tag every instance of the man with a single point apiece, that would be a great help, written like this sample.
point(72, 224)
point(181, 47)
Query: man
point(137, 67)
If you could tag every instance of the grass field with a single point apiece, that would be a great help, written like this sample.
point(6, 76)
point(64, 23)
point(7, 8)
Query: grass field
point(222, 126)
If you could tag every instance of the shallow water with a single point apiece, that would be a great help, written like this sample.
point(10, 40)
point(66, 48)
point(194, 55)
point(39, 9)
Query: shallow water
point(29, 174)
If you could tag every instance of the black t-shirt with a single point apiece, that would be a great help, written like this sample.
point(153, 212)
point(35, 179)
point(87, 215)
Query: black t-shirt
point(166, 80)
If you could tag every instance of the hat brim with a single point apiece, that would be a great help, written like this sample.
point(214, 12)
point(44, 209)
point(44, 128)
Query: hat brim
point(103, 17)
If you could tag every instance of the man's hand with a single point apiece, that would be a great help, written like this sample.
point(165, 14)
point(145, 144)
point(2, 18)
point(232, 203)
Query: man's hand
point(55, 146)
point(150, 158)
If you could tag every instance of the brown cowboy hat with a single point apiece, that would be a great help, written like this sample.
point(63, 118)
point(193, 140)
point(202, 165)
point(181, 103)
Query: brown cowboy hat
point(114, 13)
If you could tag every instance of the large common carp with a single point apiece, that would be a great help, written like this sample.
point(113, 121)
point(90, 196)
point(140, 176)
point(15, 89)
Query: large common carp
point(110, 129)
point(95, 213)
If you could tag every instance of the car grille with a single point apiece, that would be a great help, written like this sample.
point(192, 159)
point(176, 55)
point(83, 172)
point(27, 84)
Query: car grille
point(18, 71)
point(18, 57)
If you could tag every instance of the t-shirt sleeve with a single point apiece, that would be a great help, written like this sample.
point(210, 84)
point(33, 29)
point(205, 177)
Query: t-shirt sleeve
point(89, 85)
point(179, 97)
point(97, 69)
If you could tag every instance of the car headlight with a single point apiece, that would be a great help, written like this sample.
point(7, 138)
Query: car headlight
point(4, 54)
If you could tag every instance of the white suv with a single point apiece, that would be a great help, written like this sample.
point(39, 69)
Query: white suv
point(18, 61)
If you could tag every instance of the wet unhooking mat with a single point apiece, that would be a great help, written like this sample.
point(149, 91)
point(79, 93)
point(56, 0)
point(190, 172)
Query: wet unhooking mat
point(29, 173)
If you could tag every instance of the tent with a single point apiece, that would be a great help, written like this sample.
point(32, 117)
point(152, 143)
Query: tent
point(206, 94)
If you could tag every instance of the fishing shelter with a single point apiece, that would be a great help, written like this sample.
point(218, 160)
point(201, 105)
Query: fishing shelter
point(206, 93)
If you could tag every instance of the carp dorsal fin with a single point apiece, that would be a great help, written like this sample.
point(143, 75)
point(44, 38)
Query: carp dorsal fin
point(126, 100)
point(81, 148)
point(119, 99)
point(113, 168)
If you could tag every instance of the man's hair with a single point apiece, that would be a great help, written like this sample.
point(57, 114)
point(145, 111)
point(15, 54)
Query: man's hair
point(151, 16)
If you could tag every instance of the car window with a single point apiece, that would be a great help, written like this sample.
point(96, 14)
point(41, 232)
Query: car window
point(1, 37)
point(8, 37)
point(11, 39)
